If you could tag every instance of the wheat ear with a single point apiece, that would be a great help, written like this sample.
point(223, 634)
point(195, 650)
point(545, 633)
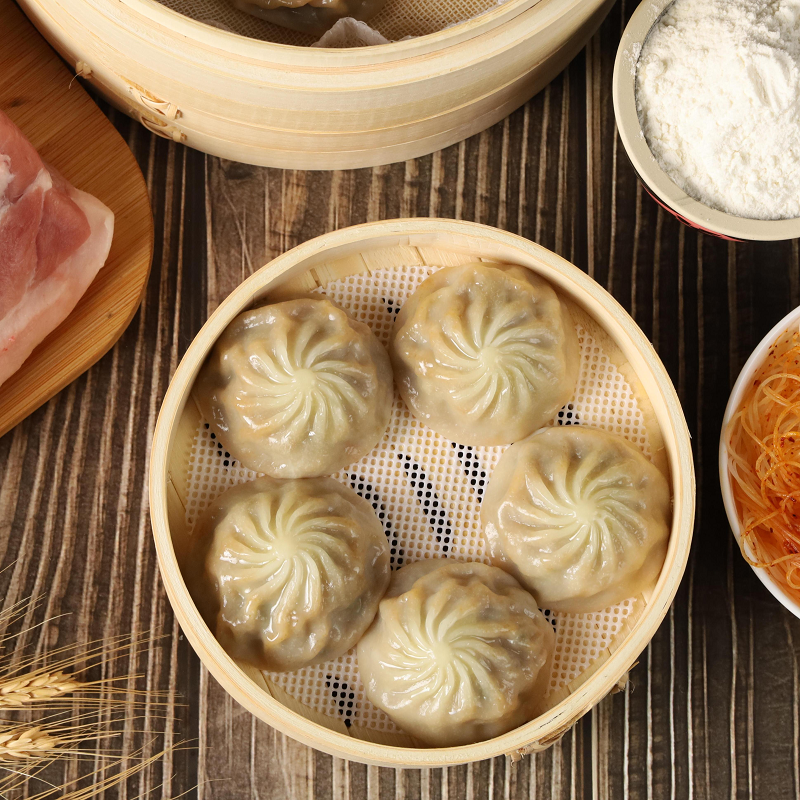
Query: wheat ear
point(27, 744)
point(34, 687)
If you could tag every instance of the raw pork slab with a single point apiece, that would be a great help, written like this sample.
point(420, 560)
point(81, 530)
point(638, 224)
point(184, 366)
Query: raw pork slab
point(53, 241)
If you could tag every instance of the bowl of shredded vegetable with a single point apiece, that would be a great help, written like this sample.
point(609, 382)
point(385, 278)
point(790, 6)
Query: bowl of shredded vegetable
point(759, 461)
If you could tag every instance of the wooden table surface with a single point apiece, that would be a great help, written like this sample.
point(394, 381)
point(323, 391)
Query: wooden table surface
point(711, 711)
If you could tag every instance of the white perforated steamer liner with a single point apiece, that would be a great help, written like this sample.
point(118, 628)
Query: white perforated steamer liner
point(426, 489)
point(427, 492)
point(752, 365)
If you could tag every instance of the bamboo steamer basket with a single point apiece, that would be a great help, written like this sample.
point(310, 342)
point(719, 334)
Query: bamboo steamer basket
point(362, 251)
point(315, 108)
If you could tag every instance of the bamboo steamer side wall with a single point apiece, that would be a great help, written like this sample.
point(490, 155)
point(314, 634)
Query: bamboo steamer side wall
point(220, 48)
point(388, 100)
point(364, 248)
point(324, 151)
point(319, 117)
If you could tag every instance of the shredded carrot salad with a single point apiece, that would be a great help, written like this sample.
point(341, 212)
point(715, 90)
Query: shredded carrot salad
point(763, 443)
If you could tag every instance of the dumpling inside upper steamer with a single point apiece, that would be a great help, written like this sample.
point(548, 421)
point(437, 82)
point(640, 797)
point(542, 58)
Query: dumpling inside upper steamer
point(310, 16)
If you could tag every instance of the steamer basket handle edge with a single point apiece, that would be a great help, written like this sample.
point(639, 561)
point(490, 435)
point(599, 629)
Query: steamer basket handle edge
point(539, 745)
point(155, 113)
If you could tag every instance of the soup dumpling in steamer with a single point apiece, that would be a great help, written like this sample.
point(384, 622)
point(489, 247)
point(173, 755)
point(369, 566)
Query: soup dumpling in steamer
point(310, 16)
point(579, 515)
point(288, 573)
point(485, 354)
point(458, 653)
point(297, 389)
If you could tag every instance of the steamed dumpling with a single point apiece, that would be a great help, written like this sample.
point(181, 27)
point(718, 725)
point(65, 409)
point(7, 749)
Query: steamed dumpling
point(458, 653)
point(289, 573)
point(297, 389)
point(485, 355)
point(310, 16)
point(580, 515)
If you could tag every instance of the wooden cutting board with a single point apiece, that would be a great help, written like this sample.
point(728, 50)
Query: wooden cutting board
point(39, 94)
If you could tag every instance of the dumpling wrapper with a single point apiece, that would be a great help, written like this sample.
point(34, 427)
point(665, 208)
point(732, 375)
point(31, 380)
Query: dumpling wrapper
point(288, 573)
point(297, 389)
point(314, 17)
point(458, 653)
point(579, 515)
point(485, 354)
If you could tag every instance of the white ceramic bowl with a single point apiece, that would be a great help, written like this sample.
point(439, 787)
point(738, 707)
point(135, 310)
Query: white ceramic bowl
point(745, 377)
point(659, 185)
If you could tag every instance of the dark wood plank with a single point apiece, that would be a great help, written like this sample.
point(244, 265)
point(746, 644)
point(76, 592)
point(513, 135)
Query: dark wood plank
point(712, 708)
point(720, 671)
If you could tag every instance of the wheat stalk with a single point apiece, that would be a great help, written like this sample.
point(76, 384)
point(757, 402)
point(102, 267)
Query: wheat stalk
point(27, 744)
point(46, 685)
point(40, 685)
point(50, 714)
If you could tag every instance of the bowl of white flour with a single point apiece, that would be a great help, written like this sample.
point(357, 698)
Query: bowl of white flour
point(707, 101)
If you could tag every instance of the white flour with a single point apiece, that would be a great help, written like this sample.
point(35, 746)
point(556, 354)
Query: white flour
point(718, 95)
